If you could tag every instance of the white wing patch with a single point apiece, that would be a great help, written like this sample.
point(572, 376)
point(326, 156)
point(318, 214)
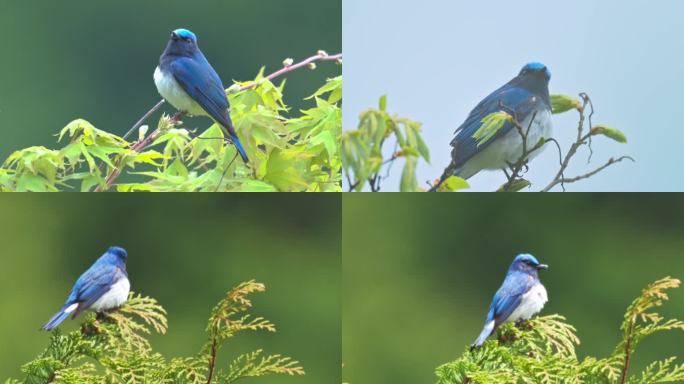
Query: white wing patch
point(71, 308)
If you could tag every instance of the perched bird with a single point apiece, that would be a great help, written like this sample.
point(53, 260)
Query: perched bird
point(187, 81)
point(102, 287)
point(525, 97)
point(520, 297)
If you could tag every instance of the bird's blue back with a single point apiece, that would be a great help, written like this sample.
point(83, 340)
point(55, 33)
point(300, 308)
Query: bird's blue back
point(515, 100)
point(97, 279)
point(201, 82)
point(509, 295)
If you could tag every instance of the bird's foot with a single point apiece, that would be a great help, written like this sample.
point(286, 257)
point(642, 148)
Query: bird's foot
point(507, 336)
point(524, 325)
point(177, 117)
point(90, 328)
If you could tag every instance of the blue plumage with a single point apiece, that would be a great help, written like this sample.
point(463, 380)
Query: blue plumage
point(185, 79)
point(520, 296)
point(103, 286)
point(524, 97)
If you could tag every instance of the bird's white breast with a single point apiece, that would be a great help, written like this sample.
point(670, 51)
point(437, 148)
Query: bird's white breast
point(531, 303)
point(170, 90)
point(509, 148)
point(115, 297)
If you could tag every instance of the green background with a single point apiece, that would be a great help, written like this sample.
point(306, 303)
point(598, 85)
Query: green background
point(63, 60)
point(419, 272)
point(186, 253)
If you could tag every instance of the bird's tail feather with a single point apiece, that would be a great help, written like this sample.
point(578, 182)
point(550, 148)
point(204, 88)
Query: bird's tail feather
point(486, 331)
point(239, 148)
point(57, 319)
point(448, 171)
point(230, 131)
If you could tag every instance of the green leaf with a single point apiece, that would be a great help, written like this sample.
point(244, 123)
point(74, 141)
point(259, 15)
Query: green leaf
point(516, 185)
point(491, 124)
point(564, 103)
point(609, 132)
point(383, 103)
point(257, 186)
point(452, 184)
point(284, 171)
point(409, 182)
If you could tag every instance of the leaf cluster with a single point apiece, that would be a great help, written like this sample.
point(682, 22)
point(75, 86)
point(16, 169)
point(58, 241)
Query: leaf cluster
point(363, 151)
point(543, 350)
point(288, 151)
point(113, 347)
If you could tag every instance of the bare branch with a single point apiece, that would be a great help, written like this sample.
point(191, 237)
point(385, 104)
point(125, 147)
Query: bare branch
point(562, 181)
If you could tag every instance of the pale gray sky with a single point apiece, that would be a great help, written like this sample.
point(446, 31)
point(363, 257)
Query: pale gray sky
point(436, 59)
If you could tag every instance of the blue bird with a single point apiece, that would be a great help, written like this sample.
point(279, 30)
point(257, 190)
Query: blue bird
point(525, 97)
point(520, 297)
point(187, 81)
point(102, 287)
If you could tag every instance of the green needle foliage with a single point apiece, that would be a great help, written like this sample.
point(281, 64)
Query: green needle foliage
point(542, 350)
point(287, 151)
point(113, 348)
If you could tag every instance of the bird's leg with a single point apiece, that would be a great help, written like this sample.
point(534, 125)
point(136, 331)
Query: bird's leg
point(177, 117)
point(506, 335)
point(524, 324)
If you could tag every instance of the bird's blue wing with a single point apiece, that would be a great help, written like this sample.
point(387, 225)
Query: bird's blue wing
point(516, 101)
point(199, 80)
point(509, 296)
point(94, 283)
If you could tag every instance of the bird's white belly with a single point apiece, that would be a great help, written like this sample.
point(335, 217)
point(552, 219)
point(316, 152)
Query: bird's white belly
point(170, 90)
point(532, 302)
point(509, 148)
point(115, 297)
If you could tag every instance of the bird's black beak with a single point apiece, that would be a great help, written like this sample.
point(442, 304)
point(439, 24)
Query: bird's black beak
point(542, 266)
point(174, 36)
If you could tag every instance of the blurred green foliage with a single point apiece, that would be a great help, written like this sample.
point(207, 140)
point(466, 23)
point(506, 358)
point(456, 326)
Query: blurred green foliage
point(186, 253)
point(94, 60)
point(419, 274)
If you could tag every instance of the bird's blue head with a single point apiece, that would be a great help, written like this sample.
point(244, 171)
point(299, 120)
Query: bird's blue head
point(182, 43)
point(184, 35)
point(118, 252)
point(537, 70)
point(526, 263)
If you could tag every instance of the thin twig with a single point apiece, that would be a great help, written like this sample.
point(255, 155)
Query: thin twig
point(145, 117)
point(587, 175)
point(146, 141)
point(522, 161)
point(212, 361)
point(628, 347)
